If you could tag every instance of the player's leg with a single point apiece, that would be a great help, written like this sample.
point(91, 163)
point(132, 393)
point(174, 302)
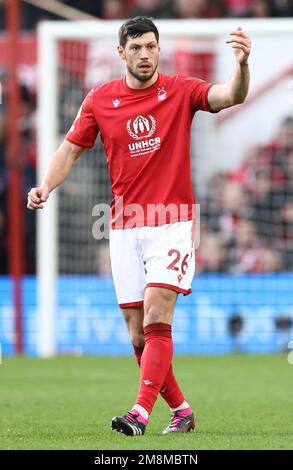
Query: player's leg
point(170, 390)
point(156, 362)
point(134, 320)
point(158, 351)
point(156, 358)
point(157, 308)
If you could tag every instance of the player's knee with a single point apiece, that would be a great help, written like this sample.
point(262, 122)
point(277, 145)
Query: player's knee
point(154, 314)
point(159, 306)
point(137, 339)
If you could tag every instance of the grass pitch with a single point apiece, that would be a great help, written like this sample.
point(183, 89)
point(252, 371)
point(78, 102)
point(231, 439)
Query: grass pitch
point(241, 402)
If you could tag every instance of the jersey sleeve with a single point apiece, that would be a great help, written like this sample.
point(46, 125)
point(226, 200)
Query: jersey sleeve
point(84, 129)
point(198, 90)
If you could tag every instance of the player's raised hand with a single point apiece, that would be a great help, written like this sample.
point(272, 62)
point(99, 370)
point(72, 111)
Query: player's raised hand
point(242, 45)
point(36, 197)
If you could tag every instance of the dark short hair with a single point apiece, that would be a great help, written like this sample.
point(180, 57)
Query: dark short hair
point(136, 27)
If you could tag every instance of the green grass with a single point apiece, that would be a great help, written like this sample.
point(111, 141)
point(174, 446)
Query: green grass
point(241, 402)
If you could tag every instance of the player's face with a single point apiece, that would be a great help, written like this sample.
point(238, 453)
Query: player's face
point(141, 55)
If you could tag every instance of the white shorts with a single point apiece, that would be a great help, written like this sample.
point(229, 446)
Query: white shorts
point(160, 256)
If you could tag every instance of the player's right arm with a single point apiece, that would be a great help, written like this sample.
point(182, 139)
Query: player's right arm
point(82, 135)
point(57, 171)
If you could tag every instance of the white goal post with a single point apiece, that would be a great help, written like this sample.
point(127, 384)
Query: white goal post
point(49, 34)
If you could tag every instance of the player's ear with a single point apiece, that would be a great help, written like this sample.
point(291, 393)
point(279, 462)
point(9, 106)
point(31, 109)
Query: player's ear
point(121, 52)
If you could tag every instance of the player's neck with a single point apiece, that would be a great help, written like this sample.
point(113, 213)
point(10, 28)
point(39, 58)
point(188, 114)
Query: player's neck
point(136, 84)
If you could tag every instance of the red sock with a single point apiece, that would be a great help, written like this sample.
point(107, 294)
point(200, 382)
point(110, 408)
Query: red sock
point(170, 390)
point(155, 363)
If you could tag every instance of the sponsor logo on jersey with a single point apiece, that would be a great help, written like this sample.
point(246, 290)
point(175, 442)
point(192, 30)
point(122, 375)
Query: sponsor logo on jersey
point(141, 127)
point(145, 146)
point(141, 130)
point(162, 94)
point(116, 102)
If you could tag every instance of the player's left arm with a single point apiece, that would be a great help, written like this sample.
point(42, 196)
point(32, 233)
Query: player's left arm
point(234, 91)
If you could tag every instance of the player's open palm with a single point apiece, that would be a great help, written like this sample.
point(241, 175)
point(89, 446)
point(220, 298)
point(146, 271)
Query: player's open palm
point(241, 44)
point(36, 197)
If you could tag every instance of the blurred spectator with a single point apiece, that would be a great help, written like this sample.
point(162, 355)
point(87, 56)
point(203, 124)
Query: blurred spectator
point(285, 134)
point(261, 9)
point(284, 7)
point(264, 203)
point(2, 14)
point(3, 81)
point(189, 8)
point(238, 8)
point(211, 256)
point(114, 10)
point(269, 261)
point(211, 206)
point(285, 243)
point(199, 8)
point(245, 254)
point(70, 95)
point(245, 174)
point(234, 208)
point(91, 7)
point(224, 205)
point(3, 235)
point(153, 8)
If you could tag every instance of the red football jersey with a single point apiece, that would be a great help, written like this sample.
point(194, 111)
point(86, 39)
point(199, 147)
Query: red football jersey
point(146, 137)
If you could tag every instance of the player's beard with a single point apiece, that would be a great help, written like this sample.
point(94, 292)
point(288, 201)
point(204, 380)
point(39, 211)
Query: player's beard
point(142, 76)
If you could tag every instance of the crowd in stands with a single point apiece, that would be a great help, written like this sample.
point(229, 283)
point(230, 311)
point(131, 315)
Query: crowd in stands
point(247, 215)
point(117, 9)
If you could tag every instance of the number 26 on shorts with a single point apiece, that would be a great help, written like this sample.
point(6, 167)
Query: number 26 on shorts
point(176, 261)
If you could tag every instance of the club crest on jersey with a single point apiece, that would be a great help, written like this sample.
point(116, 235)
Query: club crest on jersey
point(141, 127)
point(162, 94)
point(116, 102)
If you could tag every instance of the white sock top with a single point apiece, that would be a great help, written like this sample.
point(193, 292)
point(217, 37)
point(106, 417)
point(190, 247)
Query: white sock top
point(141, 410)
point(183, 406)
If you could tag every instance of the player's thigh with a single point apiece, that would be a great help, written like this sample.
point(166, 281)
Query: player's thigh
point(127, 268)
point(169, 257)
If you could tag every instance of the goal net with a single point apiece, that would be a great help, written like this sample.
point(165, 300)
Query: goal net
point(241, 164)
